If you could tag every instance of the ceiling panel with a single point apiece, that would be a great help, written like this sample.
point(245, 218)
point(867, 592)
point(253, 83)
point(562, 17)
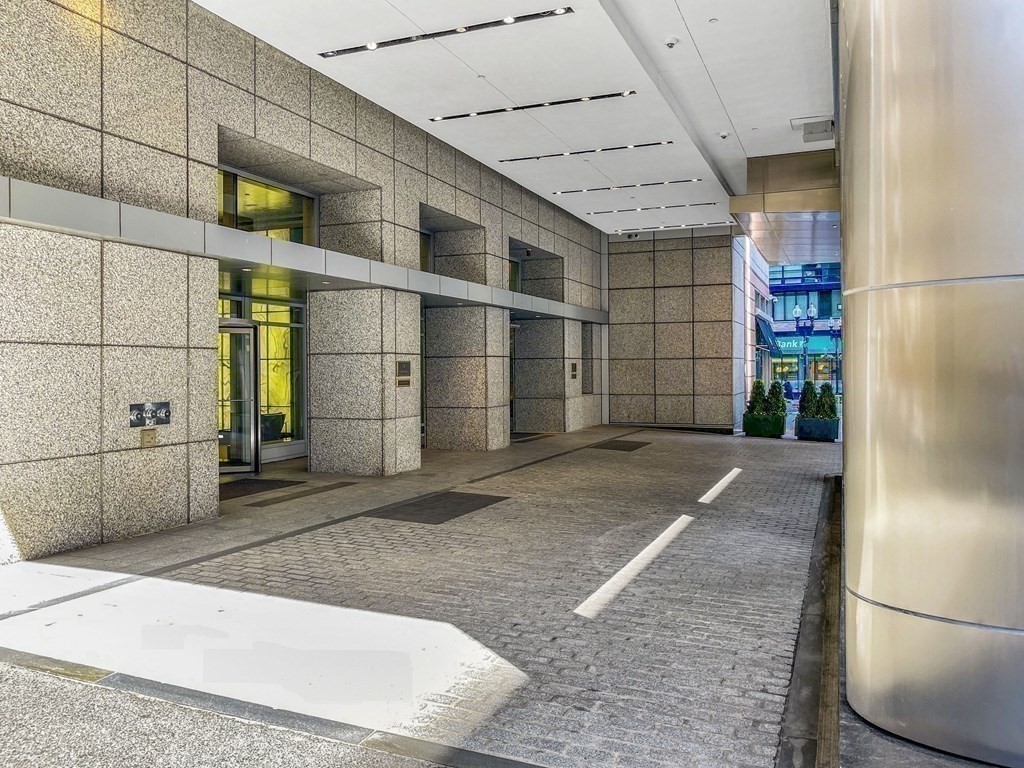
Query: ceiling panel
point(568, 56)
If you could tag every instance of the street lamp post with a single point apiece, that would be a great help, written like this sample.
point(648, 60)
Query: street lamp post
point(835, 330)
point(805, 327)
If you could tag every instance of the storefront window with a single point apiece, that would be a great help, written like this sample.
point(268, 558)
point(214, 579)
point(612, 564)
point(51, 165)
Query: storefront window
point(255, 206)
point(280, 361)
point(281, 347)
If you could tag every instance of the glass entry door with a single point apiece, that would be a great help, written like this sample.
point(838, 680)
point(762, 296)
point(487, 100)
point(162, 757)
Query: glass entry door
point(237, 404)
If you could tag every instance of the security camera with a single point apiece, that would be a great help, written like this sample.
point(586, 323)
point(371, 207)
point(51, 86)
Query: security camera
point(671, 42)
point(632, 236)
point(723, 135)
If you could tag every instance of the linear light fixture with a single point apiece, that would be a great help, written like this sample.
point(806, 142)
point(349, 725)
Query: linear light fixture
point(650, 208)
point(585, 152)
point(507, 21)
point(674, 226)
point(626, 186)
point(538, 105)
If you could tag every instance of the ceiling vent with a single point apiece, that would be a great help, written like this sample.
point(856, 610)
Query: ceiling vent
point(820, 130)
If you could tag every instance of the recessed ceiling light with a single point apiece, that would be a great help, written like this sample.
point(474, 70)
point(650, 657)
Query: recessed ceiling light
point(436, 119)
point(627, 93)
point(712, 21)
point(247, 269)
point(626, 186)
point(448, 32)
point(523, 107)
point(325, 282)
point(581, 152)
point(632, 146)
point(649, 208)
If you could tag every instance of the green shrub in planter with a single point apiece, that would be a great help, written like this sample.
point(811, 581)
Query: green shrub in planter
point(758, 402)
point(826, 407)
point(821, 424)
point(808, 400)
point(776, 399)
point(760, 420)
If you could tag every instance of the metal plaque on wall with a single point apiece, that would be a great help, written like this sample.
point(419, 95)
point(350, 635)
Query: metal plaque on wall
point(149, 414)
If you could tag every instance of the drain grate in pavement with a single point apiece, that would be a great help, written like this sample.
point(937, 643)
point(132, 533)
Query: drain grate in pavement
point(251, 485)
point(438, 509)
point(620, 445)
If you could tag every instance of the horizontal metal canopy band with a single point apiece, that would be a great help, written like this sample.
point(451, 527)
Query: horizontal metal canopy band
point(309, 267)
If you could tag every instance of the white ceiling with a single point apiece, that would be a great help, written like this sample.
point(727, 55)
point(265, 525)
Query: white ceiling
point(764, 62)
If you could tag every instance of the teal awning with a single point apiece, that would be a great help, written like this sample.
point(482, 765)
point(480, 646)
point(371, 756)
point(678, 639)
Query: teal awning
point(766, 336)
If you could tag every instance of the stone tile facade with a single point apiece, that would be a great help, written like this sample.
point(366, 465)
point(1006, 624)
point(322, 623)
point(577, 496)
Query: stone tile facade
point(466, 361)
point(550, 376)
point(676, 338)
point(123, 106)
point(99, 326)
point(360, 421)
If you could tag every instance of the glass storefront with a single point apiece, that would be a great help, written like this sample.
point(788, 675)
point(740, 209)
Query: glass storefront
point(819, 367)
point(256, 206)
point(280, 372)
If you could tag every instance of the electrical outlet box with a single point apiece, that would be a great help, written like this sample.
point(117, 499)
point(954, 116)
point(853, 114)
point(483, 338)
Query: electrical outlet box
point(148, 438)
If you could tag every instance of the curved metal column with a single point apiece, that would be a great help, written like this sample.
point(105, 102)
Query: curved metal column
point(933, 189)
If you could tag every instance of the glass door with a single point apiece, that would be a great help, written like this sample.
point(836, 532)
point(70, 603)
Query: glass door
point(237, 404)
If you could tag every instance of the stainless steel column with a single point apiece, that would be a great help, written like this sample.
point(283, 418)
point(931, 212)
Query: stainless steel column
point(933, 200)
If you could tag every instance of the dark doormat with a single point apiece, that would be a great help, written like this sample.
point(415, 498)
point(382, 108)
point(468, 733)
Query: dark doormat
point(311, 491)
point(438, 509)
point(527, 437)
point(621, 445)
point(250, 485)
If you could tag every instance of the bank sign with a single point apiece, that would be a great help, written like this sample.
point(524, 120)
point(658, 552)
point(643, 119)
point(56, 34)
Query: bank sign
point(816, 345)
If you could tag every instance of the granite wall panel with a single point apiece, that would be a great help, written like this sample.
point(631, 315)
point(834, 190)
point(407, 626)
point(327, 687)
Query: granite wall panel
point(360, 417)
point(671, 335)
point(66, 387)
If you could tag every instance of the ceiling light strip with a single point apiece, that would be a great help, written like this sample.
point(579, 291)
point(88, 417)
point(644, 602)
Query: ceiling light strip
point(650, 208)
point(508, 20)
point(585, 152)
point(539, 105)
point(626, 186)
point(675, 226)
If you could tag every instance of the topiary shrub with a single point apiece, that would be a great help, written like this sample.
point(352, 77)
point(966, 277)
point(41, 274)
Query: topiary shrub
point(758, 402)
point(808, 400)
point(776, 400)
point(826, 407)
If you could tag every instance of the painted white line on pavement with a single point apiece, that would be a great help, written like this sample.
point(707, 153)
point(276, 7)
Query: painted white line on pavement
point(598, 601)
point(720, 486)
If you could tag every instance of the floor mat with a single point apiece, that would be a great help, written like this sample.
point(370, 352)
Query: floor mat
point(620, 445)
point(440, 508)
point(250, 485)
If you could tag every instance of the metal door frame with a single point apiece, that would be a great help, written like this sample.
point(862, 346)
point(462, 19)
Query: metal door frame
point(238, 325)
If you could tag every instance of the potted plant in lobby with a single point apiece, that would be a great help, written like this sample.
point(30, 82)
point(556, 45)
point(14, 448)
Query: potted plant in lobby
point(762, 417)
point(818, 418)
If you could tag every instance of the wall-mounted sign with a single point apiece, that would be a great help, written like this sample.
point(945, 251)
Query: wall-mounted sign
point(403, 373)
point(149, 414)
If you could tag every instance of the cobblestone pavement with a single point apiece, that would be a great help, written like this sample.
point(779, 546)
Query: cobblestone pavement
point(690, 665)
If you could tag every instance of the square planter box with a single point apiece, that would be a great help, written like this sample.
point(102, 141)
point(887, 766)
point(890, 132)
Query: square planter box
point(758, 425)
point(819, 430)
